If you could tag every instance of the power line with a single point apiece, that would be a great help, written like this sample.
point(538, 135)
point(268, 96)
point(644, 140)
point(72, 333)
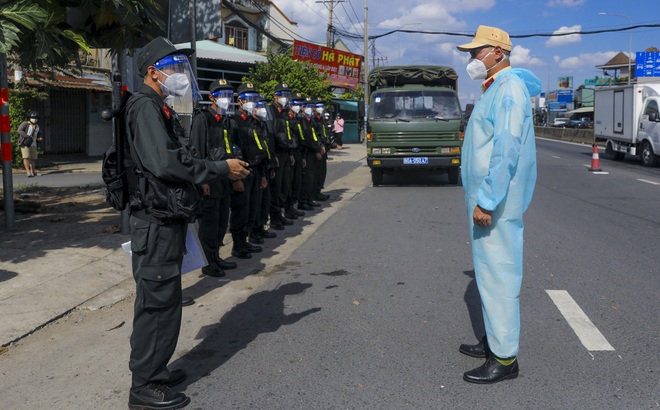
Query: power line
point(450, 33)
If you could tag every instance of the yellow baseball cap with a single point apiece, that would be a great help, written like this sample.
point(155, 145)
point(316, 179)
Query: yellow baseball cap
point(488, 36)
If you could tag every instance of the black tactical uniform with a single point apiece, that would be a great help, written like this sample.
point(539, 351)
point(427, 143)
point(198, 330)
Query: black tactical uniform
point(320, 130)
point(267, 172)
point(213, 137)
point(312, 156)
point(157, 245)
point(281, 186)
point(246, 195)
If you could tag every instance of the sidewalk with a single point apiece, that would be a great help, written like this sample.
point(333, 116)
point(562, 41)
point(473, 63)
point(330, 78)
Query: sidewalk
point(71, 258)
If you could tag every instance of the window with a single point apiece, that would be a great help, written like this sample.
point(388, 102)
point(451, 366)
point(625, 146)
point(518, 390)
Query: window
point(651, 108)
point(415, 104)
point(236, 35)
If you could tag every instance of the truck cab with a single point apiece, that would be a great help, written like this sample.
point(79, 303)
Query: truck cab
point(414, 121)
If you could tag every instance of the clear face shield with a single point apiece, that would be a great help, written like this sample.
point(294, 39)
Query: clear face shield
point(178, 82)
point(319, 108)
point(296, 106)
point(222, 100)
point(261, 110)
point(248, 101)
point(283, 97)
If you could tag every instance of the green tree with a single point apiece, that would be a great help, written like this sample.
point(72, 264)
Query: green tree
point(51, 33)
point(282, 68)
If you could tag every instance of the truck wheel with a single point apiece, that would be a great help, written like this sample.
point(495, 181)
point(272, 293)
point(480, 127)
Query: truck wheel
point(453, 173)
point(613, 155)
point(376, 176)
point(647, 155)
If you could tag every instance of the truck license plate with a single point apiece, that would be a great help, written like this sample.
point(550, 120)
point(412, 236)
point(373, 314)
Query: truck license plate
point(415, 160)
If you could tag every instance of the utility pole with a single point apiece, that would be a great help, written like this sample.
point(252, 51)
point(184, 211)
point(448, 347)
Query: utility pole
point(365, 69)
point(330, 42)
point(7, 181)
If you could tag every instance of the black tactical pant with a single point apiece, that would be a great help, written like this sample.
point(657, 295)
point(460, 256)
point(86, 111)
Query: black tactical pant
point(157, 254)
point(296, 178)
point(309, 175)
point(321, 173)
point(213, 222)
point(240, 205)
point(256, 198)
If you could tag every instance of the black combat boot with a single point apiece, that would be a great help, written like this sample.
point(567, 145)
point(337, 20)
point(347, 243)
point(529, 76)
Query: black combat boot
point(239, 250)
point(156, 396)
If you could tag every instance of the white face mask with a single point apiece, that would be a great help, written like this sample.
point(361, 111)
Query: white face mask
point(320, 110)
point(261, 112)
point(34, 120)
point(308, 110)
point(222, 103)
point(282, 101)
point(295, 108)
point(248, 107)
point(476, 69)
point(176, 84)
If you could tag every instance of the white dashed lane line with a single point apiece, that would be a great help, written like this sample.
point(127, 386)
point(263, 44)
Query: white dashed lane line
point(585, 330)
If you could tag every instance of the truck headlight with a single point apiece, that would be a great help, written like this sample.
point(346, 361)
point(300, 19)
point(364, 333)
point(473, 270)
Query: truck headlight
point(375, 150)
point(387, 150)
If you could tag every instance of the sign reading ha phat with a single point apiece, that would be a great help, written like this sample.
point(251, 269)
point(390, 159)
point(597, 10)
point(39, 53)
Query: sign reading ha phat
point(343, 68)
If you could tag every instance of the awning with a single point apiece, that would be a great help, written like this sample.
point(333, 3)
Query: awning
point(211, 50)
point(582, 110)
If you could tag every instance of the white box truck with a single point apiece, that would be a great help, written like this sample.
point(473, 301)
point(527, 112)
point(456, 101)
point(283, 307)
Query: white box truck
point(627, 117)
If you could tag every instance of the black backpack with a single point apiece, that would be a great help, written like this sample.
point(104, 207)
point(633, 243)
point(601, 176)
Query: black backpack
point(113, 169)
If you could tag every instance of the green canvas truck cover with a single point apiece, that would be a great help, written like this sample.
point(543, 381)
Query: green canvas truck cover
point(396, 76)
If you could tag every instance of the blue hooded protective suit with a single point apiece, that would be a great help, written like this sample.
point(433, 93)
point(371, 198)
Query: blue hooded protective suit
point(499, 172)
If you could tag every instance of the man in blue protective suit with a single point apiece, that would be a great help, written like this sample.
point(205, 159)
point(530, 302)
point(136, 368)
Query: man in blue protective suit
point(499, 173)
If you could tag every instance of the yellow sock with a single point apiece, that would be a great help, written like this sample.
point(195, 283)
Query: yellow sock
point(505, 362)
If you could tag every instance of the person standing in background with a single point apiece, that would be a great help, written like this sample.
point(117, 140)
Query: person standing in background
point(29, 135)
point(338, 129)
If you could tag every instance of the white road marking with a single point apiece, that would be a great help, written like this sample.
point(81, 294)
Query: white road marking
point(649, 182)
point(554, 156)
point(585, 330)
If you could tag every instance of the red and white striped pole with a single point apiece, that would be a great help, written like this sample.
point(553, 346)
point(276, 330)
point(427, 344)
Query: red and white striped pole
point(5, 145)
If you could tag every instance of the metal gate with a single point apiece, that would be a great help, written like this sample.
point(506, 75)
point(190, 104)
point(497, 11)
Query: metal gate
point(67, 122)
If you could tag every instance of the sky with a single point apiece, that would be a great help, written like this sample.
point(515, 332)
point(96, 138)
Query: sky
point(548, 57)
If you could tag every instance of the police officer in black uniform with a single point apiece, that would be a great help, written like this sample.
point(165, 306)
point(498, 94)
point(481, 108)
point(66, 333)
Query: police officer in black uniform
point(314, 151)
point(257, 223)
point(246, 195)
point(160, 165)
point(295, 136)
point(281, 184)
point(321, 129)
point(213, 136)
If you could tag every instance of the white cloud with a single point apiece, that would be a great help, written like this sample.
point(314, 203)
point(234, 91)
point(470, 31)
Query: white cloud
point(521, 56)
point(566, 3)
point(557, 41)
point(585, 60)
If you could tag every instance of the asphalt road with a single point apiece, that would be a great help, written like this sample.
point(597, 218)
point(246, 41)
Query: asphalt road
point(369, 312)
point(365, 308)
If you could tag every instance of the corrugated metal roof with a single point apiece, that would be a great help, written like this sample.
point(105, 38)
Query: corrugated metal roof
point(64, 81)
point(211, 50)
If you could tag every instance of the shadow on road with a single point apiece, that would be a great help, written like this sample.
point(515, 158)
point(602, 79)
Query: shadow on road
point(262, 312)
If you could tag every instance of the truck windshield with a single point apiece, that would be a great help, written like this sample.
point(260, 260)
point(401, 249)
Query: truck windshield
point(414, 104)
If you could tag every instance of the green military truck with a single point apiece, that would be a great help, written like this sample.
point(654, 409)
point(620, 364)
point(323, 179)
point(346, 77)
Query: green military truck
point(414, 121)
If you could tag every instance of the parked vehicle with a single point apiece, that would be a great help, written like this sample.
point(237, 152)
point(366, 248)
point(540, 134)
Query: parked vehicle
point(627, 117)
point(583, 122)
point(560, 122)
point(414, 120)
